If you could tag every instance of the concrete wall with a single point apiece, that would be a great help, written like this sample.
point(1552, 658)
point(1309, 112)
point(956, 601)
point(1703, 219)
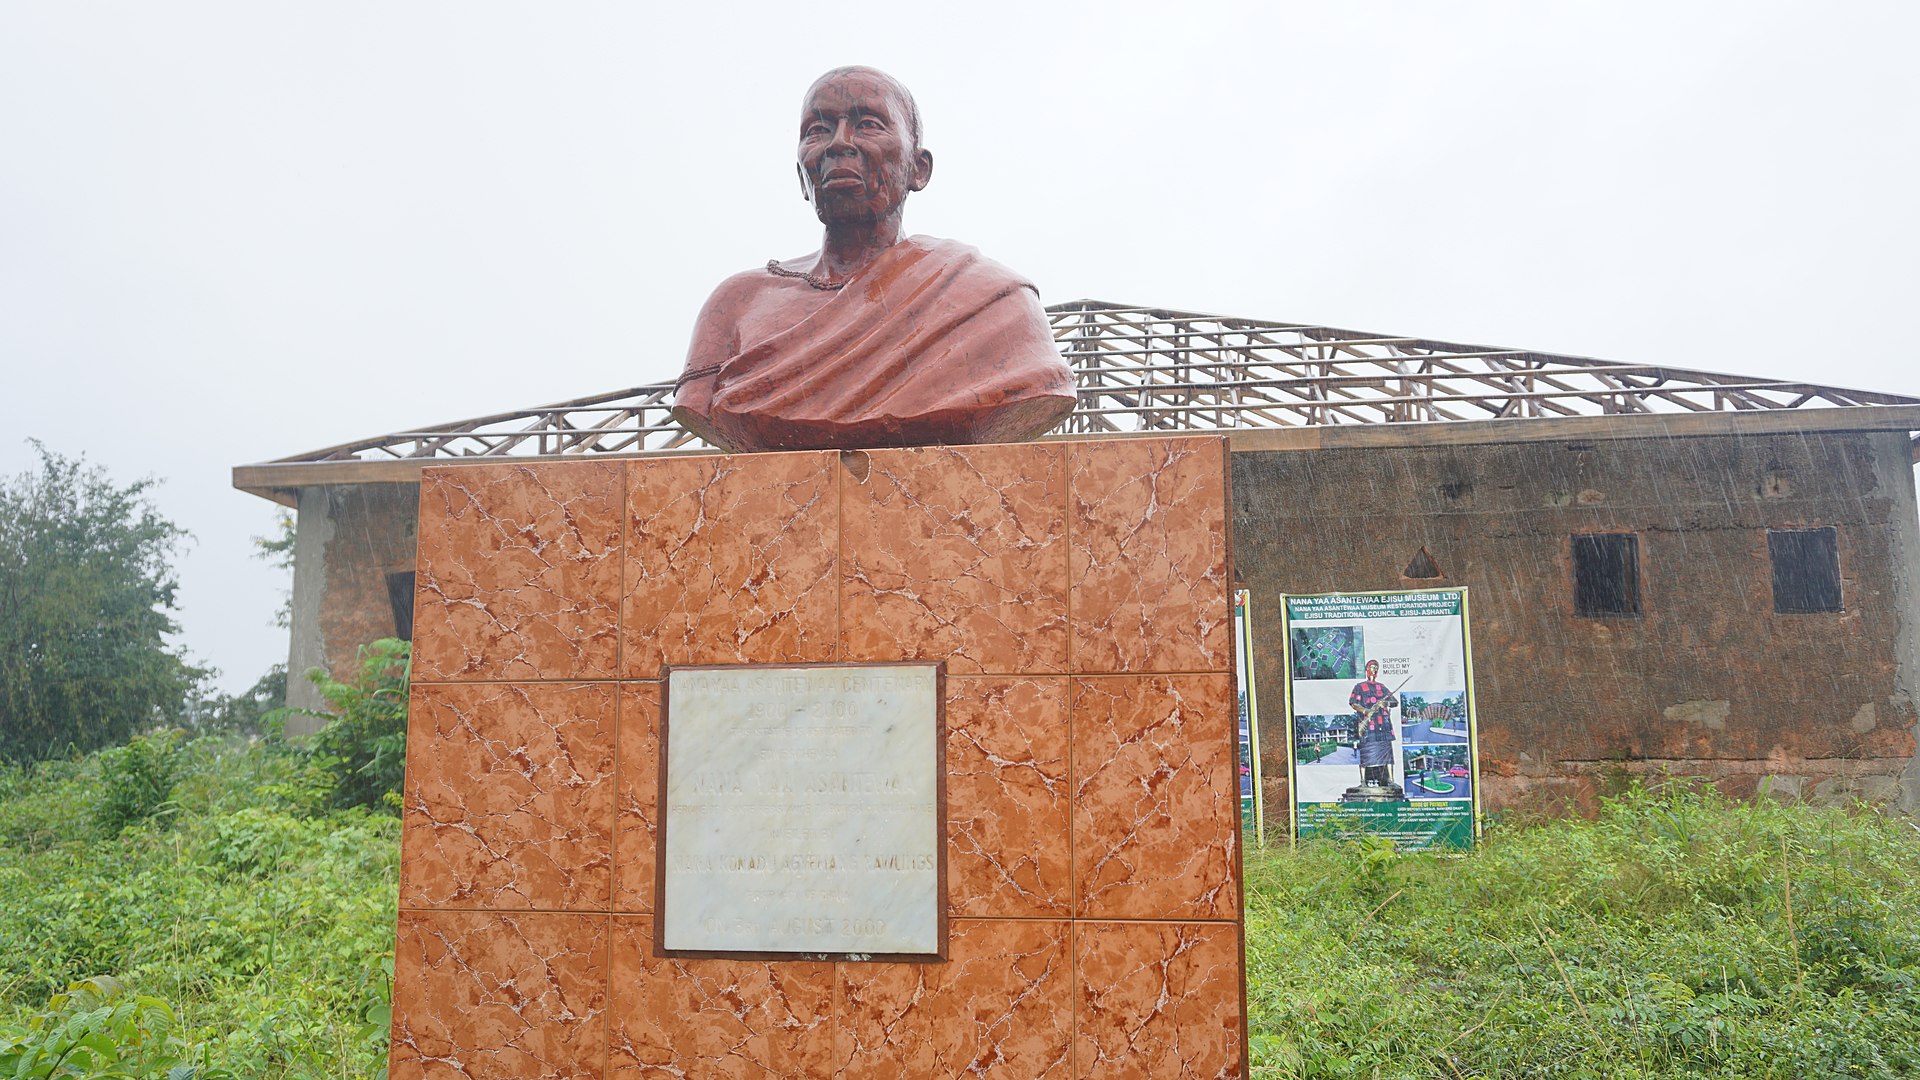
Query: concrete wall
point(1708, 680)
point(348, 539)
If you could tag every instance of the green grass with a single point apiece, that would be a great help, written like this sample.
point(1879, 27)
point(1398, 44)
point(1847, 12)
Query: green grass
point(1677, 935)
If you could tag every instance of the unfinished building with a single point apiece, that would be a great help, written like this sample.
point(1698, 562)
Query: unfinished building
point(1672, 571)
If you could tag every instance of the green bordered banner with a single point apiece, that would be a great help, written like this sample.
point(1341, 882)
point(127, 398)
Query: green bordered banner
point(1381, 735)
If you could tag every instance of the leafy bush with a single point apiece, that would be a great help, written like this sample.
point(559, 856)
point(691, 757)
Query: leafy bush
point(96, 1029)
point(362, 752)
point(136, 780)
point(48, 802)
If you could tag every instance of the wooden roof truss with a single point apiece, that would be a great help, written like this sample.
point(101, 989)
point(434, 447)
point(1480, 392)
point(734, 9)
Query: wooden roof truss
point(1148, 369)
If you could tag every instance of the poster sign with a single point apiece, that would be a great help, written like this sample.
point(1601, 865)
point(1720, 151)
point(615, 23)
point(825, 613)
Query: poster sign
point(1252, 818)
point(1380, 721)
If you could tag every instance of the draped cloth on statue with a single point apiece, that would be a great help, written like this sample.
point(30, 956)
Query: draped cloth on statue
point(1376, 746)
point(930, 343)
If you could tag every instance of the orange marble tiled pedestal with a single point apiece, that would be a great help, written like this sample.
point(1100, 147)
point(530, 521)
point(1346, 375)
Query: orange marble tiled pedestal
point(1078, 593)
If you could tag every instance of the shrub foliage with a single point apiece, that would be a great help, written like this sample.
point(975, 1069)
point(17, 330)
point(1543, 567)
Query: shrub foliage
point(251, 938)
point(362, 752)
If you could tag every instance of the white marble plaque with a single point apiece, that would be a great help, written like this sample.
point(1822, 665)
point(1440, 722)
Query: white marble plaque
point(802, 810)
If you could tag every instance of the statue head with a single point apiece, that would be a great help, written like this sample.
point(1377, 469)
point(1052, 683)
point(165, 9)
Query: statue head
point(860, 152)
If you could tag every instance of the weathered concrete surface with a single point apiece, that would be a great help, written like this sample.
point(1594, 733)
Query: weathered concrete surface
point(1708, 680)
point(347, 539)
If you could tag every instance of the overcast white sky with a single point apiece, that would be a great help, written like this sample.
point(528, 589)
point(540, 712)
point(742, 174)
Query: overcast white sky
point(236, 231)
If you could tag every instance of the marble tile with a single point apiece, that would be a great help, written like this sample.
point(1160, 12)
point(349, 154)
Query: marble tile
point(1000, 1007)
point(1155, 803)
point(801, 810)
point(956, 554)
point(1008, 799)
point(497, 994)
point(731, 559)
point(636, 824)
point(1149, 555)
point(518, 572)
point(677, 1018)
point(1158, 1001)
point(508, 802)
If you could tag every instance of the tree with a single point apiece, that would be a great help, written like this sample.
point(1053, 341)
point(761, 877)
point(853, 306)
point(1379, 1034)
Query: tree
point(278, 550)
point(86, 591)
point(249, 712)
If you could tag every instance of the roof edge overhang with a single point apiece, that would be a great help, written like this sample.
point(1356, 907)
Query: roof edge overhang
point(281, 481)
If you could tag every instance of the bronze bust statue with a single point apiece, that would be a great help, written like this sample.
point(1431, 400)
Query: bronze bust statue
point(878, 338)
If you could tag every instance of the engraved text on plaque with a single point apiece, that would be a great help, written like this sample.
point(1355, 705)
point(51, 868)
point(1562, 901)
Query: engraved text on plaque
point(801, 810)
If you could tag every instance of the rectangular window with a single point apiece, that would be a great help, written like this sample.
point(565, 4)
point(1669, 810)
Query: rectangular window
point(400, 595)
point(1806, 570)
point(1606, 574)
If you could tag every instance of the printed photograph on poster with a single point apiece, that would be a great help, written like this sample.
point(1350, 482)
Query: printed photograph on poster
point(1324, 740)
point(1326, 652)
point(1433, 716)
point(1438, 772)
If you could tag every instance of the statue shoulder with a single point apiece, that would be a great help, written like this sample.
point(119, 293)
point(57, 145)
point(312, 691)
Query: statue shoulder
point(729, 300)
point(745, 283)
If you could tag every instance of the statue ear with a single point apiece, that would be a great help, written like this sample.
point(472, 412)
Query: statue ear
point(800, 174)
point(922, 169)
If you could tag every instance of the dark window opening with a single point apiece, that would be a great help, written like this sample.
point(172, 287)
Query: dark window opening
point(1606, 574)
point(1422, 567)
point(1806, 570)
point(400, 595)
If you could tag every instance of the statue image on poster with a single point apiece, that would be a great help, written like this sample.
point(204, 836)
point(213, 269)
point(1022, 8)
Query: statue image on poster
point(1373, 704)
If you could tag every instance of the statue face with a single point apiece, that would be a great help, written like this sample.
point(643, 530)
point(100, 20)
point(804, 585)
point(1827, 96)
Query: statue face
point(857, 160)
